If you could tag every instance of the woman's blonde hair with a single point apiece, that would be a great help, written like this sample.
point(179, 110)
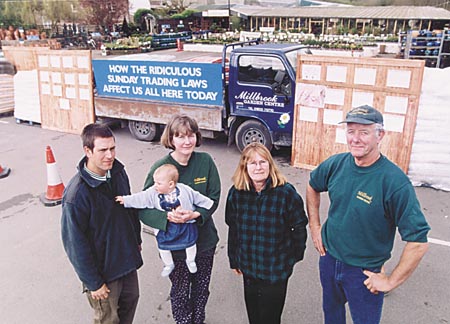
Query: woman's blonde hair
point(180, 125)
point(241, 179)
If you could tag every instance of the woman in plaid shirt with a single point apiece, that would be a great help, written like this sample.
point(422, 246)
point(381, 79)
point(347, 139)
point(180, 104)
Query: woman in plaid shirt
point(267, 232)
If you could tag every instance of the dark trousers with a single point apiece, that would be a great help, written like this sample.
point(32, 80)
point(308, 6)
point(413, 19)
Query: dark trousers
point(264, 300)
point(120, 306)
point(190, 291)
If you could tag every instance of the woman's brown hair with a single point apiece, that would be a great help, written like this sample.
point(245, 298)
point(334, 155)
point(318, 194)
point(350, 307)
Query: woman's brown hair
point(180, 125)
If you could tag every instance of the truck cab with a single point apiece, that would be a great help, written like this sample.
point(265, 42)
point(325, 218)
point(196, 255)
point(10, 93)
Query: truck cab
point(261, 94)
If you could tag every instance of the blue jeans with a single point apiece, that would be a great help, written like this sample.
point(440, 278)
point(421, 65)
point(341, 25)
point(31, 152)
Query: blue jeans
point(342, 283)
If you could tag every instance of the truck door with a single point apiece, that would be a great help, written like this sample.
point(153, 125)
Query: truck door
point(261, 97)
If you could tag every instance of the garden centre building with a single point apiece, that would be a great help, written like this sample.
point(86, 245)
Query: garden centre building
point(336, 19)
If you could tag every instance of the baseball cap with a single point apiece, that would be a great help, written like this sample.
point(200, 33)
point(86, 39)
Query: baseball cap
point(363, 115)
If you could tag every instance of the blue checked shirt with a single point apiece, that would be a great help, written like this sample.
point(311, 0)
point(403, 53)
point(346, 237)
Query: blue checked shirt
point(267, 231)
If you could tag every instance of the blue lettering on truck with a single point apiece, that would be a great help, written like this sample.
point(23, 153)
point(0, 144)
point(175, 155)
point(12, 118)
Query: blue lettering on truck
point(187, 83)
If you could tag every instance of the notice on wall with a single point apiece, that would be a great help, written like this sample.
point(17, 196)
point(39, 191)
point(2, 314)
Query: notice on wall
point(181, 82)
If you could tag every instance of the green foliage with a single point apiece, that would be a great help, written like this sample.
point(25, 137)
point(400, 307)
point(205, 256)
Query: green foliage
point(125, 28)
point(185, 14)
point(123, 43)
point(139, 15)
point(392, 39)
point(9, 16)
point(236, 23)
point(216, 28)
point(57, 12)
point(342, 30)
point(340, 45)
point(213, 40)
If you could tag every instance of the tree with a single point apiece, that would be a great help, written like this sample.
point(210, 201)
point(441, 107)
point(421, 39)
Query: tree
point(9, 16)
point(235, 23)
point(125, 28)
point(185, 14)
point(140, 18)
point(171, 7)
point(61, 11)
point(104, 13)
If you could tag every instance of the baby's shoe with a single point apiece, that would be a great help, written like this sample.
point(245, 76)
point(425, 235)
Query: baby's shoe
point(167, 270)
point(192, 266)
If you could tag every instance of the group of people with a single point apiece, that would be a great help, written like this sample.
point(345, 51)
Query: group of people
point(370, 198)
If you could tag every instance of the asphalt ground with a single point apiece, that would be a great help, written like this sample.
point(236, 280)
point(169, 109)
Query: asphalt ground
point(39, 285)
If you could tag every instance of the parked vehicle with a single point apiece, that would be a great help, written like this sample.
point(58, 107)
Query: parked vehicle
point(247, 92)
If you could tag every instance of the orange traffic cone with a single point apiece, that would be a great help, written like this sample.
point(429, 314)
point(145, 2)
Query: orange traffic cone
point(55, 187)
point(4, 172)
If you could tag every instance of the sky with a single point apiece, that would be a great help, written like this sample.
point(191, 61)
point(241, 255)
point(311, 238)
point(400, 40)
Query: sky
point(138, 4)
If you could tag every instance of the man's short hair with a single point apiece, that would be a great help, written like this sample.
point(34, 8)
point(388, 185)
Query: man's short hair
point(92, 131)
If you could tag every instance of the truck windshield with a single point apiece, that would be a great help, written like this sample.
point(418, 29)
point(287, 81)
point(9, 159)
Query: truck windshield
point(292, 56)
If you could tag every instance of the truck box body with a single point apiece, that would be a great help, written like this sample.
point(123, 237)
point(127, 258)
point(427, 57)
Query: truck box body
point(153, 91)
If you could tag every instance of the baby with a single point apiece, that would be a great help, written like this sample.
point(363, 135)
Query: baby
point(167, 194)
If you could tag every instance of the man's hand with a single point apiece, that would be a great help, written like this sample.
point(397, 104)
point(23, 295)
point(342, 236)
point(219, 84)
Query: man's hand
point(101, 293)
point(312, 206)
point(410, 259)
point(316, 236)
point(377, 282)
point(237, 271)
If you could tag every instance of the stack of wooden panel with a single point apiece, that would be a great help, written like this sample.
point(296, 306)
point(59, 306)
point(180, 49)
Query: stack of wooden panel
point(7, 71)
point(6, 93)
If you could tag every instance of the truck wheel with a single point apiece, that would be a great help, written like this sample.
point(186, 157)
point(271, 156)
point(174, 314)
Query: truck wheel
point(252, 131)
point(143, 131)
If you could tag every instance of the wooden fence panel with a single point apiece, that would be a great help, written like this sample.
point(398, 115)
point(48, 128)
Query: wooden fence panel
point(66, 89)
point(328, 87)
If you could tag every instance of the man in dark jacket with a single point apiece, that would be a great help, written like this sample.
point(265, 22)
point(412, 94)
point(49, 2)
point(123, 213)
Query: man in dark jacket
point(101, 238)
